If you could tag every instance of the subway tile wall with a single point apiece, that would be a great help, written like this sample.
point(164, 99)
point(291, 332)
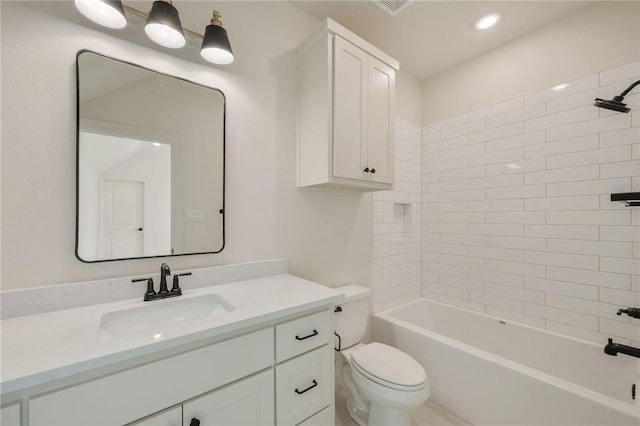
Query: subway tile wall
point(516, 216)
point(397, 250)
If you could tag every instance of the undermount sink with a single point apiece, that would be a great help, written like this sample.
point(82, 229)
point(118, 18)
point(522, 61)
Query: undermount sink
point(156, 319)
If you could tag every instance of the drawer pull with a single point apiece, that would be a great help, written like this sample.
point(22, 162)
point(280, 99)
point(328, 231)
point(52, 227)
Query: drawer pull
point(300, 392)
point(315, 333)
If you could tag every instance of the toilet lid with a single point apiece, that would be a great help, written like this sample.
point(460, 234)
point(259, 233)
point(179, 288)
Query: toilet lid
point(389, 365)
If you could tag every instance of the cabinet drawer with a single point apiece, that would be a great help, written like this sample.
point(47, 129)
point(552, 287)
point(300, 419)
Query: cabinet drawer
point(303, 334)
point(154, 386)
point(323, 418)
point(304, 386)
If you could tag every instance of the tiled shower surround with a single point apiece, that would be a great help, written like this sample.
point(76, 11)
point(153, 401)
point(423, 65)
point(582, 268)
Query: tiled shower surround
point(516, 216)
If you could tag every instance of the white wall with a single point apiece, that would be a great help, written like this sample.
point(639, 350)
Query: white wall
point(603, 35)
point(325, 234)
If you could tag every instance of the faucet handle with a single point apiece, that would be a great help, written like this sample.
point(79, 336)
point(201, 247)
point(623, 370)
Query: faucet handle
point(149, 295)
point(175, 288)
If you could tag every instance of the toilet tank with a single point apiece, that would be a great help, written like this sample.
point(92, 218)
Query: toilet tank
point(353, 314)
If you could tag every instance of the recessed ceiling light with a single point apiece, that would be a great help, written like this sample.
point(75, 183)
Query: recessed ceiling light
point(560, 86)
point(487, 21)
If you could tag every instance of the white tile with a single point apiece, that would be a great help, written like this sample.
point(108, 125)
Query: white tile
point(595, 278)
point(580, 261)
point(620, 265)
point(463, 303)
point(591, 127)
point(476, 194)
point(497, 157)
point(465, 217)
point(593, 217)
point(574, 86)
point(449, 143)
point(526, 113)
point(516, 217)
point(465, 151)
point(458, 293)
point(460, 282)
point(458, 163)
point(495, 109)
point(496, 206)
point(526, 139)
point(470, 240)
point(577, 115)
point(635, 153)
point(562, 175)
point(456, 121)
point(510, 255)
point(589, 307)
point(515, 293)
point(580, 291)
point(623, 72)
point(621, 329)
point(589, 322)
point(620, 233)
point(453, 185)
point(622, 169)
point(518, 166)
point(620, 137)
point(525, 269)
point(497, 277)
point(451, 228)
point(456, 206)
point(465, 261)
point(596, 248)
point(465, 129)
point(496, 133)
point(467, 173)
point(430, 138)
point(562, 146)
point(516, 230)
point(497, 301)
point(588, 187)
point(577, 232)
point(583, 202)
point(528, 191)
point(497, 181)
point(538, 244)
point(596, 156)
point(441, 268)
point(620, 297)
point(449, 249)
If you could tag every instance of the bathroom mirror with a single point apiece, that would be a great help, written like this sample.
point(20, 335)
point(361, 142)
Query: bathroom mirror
point(150, 163)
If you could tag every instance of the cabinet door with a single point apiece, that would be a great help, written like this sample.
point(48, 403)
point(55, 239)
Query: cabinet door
point(349, 105)
point(380, 121)
point(10, 416)
point(171, 417)
point(248, 402)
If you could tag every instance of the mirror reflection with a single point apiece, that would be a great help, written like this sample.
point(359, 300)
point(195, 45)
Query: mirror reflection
point(150, 163)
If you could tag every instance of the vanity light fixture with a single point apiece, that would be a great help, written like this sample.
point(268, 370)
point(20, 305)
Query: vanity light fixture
point(108, 13)
point(163, 25)
point(487, 21)
point(215, 44)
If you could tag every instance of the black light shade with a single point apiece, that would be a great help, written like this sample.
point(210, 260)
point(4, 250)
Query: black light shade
point(215, 44)
point(163, 25)
point(108, 13)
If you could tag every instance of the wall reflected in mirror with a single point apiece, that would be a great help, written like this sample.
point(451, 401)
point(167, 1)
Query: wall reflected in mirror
point(150, 163)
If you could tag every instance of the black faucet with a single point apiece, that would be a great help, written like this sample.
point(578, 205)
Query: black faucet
point(614, 348)
point(164, 292)
point(632, 312)
point(164, 271)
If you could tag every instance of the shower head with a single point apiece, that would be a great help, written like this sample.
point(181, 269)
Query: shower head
point(616, 103)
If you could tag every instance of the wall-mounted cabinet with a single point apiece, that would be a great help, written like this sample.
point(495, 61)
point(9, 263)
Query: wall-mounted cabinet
point(346, 100)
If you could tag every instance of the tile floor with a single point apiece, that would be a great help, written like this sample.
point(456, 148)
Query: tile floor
point(430, 414)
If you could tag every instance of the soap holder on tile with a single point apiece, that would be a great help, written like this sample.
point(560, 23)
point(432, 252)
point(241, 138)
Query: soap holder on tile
point(402, 223)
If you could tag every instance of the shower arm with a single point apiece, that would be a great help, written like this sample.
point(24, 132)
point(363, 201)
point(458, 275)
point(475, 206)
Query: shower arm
point(628, 89)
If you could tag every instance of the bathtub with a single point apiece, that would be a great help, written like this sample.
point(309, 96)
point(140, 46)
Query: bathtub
point(491, 371)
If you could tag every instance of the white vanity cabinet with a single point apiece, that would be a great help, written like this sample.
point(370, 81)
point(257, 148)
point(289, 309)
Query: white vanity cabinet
point(281, 374)
point(10, 415)
point(345, 112)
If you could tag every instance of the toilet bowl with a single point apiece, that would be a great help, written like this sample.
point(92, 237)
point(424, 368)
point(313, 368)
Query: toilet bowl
point(384, 383)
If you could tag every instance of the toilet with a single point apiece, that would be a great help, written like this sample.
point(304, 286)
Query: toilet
point(384, 383)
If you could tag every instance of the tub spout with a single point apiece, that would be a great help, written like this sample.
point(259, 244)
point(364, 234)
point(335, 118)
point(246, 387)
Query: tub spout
point(614, 348)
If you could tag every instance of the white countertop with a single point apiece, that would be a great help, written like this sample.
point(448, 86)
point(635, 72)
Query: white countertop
point(42, 348)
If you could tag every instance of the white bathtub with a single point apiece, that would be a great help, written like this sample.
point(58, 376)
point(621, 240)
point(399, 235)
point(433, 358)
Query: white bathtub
point(496, 372)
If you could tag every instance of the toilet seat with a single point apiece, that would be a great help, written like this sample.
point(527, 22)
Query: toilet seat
point(389, 367)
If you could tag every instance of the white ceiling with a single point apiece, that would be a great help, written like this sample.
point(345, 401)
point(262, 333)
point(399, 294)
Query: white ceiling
point(429, 37)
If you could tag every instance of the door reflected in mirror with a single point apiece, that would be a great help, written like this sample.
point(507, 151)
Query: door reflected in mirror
point(150, 163)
